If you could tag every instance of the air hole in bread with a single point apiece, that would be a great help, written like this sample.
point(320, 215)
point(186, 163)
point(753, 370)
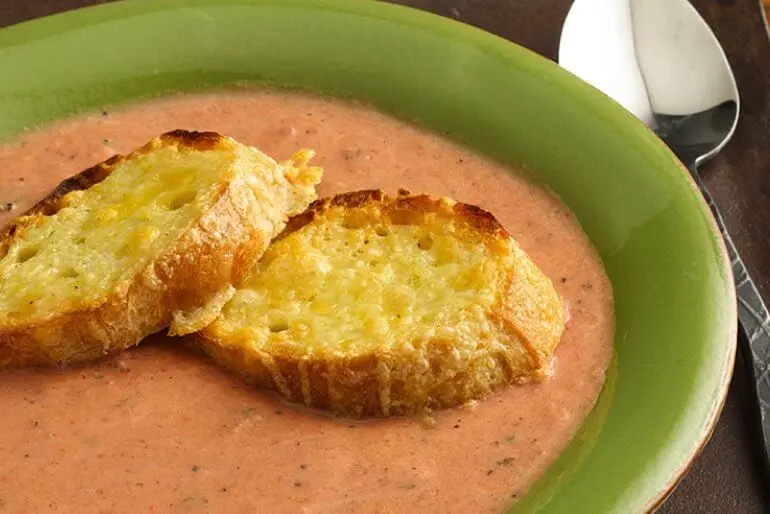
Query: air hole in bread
point(69, 273)
point(27, 253)
point(278, 326)
point(425, 243)
point(380, 231)
point(181, 200)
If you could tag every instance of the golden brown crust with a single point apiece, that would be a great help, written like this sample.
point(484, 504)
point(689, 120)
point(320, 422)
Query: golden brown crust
point(200, 265)
point(372, 385)
point(390, 382)
point(478, 218)
point(193, 139)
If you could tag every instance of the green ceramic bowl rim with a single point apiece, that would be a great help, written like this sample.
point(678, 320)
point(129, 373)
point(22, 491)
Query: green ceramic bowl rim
point(477, 38)
point(656, 502)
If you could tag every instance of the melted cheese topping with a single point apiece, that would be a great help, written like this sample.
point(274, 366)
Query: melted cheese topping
point(103, 236)
point(339, 289)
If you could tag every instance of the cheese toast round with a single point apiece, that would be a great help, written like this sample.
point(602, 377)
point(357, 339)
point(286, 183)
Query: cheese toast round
point(140, 242)
point(377, 305)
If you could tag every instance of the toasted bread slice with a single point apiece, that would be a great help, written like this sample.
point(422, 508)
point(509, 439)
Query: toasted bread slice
point(141, 241)
point(370, 305)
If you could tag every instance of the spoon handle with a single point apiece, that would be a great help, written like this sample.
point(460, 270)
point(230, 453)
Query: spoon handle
point(754, 341)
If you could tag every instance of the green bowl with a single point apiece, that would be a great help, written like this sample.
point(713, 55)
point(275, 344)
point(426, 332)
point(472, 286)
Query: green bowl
point(676, 319)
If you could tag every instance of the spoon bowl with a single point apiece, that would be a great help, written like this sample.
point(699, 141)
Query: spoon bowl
point(661, 61)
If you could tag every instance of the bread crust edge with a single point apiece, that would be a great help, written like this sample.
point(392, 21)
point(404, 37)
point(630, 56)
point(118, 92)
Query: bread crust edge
point(377, 384)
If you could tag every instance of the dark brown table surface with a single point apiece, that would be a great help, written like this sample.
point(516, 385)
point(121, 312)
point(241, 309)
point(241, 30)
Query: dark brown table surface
point(728, 477)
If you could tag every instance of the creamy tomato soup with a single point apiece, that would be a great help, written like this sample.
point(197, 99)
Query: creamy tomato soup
point(161, 429)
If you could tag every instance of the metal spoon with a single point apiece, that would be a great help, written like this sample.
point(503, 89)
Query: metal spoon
point(660, 60)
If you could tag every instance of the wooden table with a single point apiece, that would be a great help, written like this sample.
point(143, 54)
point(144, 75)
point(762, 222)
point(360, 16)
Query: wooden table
point(728, 477)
